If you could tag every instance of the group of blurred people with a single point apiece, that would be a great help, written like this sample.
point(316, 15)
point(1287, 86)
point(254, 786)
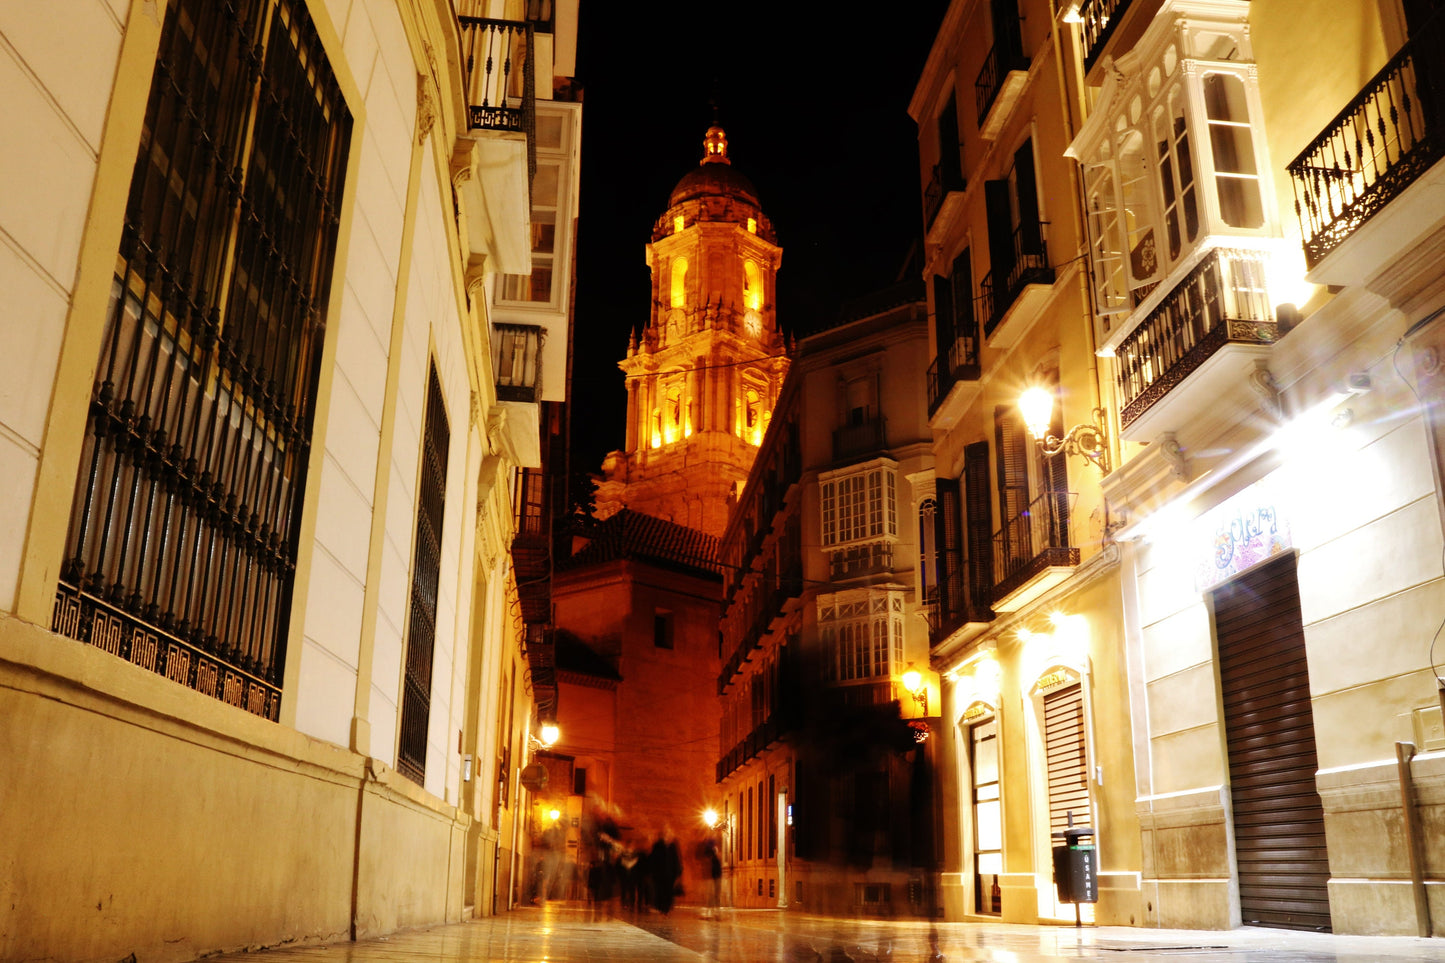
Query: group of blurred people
point(640, 877)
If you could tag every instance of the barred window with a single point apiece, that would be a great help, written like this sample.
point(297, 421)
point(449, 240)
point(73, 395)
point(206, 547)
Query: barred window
point(183, 530)
point(425, 582)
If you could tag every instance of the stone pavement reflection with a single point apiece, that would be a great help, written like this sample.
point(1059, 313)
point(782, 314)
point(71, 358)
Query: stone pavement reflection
point(570, 933)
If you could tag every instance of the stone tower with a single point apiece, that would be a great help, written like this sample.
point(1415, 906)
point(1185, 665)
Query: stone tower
point(704, 374)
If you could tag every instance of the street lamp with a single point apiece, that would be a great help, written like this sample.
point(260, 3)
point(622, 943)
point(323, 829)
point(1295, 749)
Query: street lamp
point(1088, 440)
point(709, 817)
point(913, 682)
point(550, 734)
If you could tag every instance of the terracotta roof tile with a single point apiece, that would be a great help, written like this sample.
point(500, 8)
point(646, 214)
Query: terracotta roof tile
point(633, 535)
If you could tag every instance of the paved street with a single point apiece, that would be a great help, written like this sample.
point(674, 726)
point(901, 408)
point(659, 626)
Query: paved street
point(561, 933)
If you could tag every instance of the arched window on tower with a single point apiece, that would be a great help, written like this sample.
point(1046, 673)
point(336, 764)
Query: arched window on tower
point(672, 415)
point(752, 417)
point(679, 282)
point(752, 286)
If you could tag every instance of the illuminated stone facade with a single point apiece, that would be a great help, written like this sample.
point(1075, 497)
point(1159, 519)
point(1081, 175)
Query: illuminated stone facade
point(704, 374)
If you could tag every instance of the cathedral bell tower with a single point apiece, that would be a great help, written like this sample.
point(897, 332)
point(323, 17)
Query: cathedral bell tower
point(704, 374)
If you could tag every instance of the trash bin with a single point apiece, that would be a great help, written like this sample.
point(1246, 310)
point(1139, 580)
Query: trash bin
point(1076, 866)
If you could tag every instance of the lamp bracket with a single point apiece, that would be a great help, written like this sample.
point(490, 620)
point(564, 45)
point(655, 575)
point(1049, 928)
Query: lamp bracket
point(1089, 441)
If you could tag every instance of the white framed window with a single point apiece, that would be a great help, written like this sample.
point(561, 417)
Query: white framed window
point(862, 635)
point(1173, 160)
point(860, 503)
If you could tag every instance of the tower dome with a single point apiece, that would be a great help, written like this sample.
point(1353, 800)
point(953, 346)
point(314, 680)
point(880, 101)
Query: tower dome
point(714, 174)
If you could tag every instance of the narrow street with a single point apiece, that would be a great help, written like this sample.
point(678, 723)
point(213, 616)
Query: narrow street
point(564, 933)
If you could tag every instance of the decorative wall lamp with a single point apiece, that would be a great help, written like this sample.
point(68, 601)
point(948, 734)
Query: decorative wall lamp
point(550, 734)
point(1088, 440)
point(913, 682)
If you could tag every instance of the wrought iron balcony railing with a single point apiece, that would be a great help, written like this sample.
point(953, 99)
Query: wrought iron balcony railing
point(1030, 265)
point(866, 438)
point(939, 186)
point(1006, 55)
point(1223, 300)
point(517, 358)
point(960, 363)
point(1384, 139)
point(497, 56)
point(1035, 539)
point(1099, 18)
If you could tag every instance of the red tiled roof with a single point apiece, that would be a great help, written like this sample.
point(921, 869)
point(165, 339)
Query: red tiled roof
point(633, 535)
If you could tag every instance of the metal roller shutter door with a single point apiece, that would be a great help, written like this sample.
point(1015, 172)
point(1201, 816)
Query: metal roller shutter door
point(1279, 830)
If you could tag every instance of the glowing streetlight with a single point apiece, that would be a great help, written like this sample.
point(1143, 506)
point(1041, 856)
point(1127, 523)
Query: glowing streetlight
point(709, 816)
point(550, 734)
point(1088, 441)
point(554, 814)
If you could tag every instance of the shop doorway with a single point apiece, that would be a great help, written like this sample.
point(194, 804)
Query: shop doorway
point(1279, 826)
point(987, 818)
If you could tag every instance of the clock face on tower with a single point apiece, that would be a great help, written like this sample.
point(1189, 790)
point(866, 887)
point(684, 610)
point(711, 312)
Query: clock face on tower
point(753, 323)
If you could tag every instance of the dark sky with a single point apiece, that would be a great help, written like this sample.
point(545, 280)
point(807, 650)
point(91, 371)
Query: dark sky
point(816, 114)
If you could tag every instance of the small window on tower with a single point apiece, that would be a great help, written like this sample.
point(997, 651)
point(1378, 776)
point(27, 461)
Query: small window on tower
point(662, 629)
point(677, 223)
point(678, 297)
point(752, 286)
point(752, 225)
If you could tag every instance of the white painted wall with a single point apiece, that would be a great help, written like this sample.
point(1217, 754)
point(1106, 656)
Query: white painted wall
point(57, 70)
point(379, 59)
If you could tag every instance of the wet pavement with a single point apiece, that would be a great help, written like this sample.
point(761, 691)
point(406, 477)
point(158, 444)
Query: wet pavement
point(569, 933)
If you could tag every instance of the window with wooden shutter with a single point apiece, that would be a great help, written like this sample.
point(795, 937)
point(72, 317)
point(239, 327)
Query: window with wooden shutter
point(1053, 471)
point(948, 536)
point(1068, 773)
point(1013, 465)
point(978, 526)
point(1025, 198)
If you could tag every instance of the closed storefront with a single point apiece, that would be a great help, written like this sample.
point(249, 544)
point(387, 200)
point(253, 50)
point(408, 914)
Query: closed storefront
point(1279, 828)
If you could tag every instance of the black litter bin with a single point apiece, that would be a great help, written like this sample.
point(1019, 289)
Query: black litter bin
point(1076, 866)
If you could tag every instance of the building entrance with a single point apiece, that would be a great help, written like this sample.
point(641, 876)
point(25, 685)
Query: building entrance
point(1279, 831)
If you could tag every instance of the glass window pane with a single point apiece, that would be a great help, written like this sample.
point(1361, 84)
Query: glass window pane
point(544, 185)
point(549, 131)
point(990, 827)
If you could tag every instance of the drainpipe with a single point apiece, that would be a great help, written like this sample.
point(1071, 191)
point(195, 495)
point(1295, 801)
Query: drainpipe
point(1081, 247)
point(1404, 752)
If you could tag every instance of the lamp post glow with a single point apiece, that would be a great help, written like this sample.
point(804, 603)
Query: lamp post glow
point(550, 734)
point(1037, 406)
point(912, 681)
point(709, 817)
point(1086, 440)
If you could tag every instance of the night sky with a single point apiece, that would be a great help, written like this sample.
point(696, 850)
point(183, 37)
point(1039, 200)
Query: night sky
point(816, 114)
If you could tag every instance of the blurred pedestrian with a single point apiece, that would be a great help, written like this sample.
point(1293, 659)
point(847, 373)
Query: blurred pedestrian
point(712, 875)
point(665, 866)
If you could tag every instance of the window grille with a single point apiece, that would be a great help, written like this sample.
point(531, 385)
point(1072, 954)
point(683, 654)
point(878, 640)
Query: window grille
point(425, 580)
point(182, 540)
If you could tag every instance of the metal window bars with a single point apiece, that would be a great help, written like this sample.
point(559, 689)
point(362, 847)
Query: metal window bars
point(425, 584)
point(182, 539)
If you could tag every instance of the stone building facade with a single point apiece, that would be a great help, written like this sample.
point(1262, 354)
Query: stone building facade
point(256, 590)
